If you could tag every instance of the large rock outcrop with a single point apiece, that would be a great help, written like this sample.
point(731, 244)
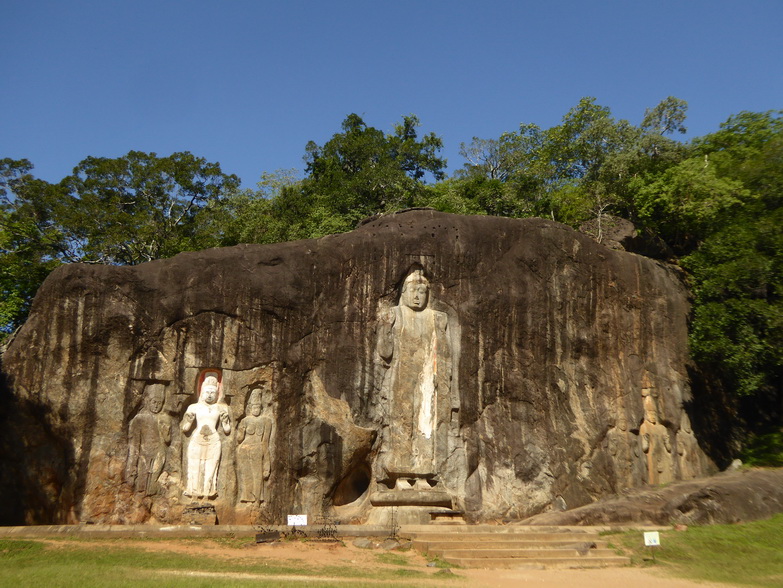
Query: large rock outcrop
point(534, 369)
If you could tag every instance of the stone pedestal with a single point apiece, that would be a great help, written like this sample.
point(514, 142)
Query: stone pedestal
point(200, 514)
point(412, 504)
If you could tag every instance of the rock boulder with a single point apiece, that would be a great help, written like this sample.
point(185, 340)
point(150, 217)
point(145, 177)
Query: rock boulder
point(543, 355)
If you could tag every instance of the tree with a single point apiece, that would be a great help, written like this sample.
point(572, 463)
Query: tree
point(588, 165)
point(125, 210)
point(737, 277)
point(31, 243)
point(357, 173)
point(140, 207)
point(249, 216)
point(690, 201)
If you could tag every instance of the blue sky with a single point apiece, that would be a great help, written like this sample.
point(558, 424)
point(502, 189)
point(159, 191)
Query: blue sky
point(248, 83)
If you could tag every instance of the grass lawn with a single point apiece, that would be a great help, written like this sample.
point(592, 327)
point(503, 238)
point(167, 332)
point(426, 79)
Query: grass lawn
point(85, 563)
point(748, 554)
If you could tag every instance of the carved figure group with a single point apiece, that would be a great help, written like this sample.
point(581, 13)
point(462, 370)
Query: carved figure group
point(204, 449)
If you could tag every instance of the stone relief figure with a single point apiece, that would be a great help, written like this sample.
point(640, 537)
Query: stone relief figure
point(203, 453)
point(149, 435)
point(413, 344)
point(691, 464)
point(655, 442)
point(623, 446)
point(254, 435)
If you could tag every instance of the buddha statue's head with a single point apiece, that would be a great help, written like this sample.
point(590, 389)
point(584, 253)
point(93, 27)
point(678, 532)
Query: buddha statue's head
point(650, 406)
point(415, 291)
point(209, 389)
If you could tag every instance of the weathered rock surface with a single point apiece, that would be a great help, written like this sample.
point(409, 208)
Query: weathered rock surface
point(549, 340)
point(729, 497)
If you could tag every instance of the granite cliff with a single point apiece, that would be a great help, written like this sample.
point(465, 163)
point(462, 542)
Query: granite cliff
point(534, 369)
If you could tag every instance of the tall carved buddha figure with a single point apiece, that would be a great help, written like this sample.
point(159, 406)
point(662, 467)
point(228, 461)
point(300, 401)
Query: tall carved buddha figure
point(413, 346)
point(204, 447)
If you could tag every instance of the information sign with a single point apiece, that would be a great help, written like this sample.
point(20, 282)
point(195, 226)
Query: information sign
point(652, 539)
point(297, 520)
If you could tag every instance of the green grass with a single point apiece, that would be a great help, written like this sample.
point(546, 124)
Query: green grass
point(393, 559)
point(748, 554)
point(439, 563)
point(104, 563)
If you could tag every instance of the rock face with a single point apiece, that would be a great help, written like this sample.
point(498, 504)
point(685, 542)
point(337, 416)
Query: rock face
point(500, 367)
point(728, 497)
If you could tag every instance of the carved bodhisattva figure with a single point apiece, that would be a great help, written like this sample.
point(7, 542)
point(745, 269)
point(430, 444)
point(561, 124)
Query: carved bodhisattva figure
point(204, 447)
point(149, 435)
point(625, 453)
point(655, 442)
point(254, 435)
point(413, 343)
point(691, 462)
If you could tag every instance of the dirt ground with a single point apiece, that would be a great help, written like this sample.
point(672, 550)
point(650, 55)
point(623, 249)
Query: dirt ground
point(315, 555)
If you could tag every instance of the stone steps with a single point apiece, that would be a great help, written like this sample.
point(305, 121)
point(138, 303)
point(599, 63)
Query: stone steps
point(482, 537)
point(518, 547)
point(541, 562)
point(435, 546)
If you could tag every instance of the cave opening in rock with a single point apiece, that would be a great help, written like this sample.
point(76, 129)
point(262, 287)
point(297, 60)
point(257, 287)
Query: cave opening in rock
point(353, 486)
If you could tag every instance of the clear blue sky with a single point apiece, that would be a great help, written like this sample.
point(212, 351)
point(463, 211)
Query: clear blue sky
point(248, 83)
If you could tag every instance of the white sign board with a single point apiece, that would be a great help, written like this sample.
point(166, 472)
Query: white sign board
point(652, 539)
point(297, 520)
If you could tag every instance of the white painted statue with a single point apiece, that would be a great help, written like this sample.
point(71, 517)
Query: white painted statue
point(254, 435)
point(149, 435)
point(204, 448)
point(413, 342)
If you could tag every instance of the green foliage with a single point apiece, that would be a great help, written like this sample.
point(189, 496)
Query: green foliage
point(689, 201)
point(715, 203)
point(357, 173)
point(737, 266)
point(141, 207)
point(123, 211)
point(764, 450)
point(588, 165)
point(249, 216)
point(31, 243)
